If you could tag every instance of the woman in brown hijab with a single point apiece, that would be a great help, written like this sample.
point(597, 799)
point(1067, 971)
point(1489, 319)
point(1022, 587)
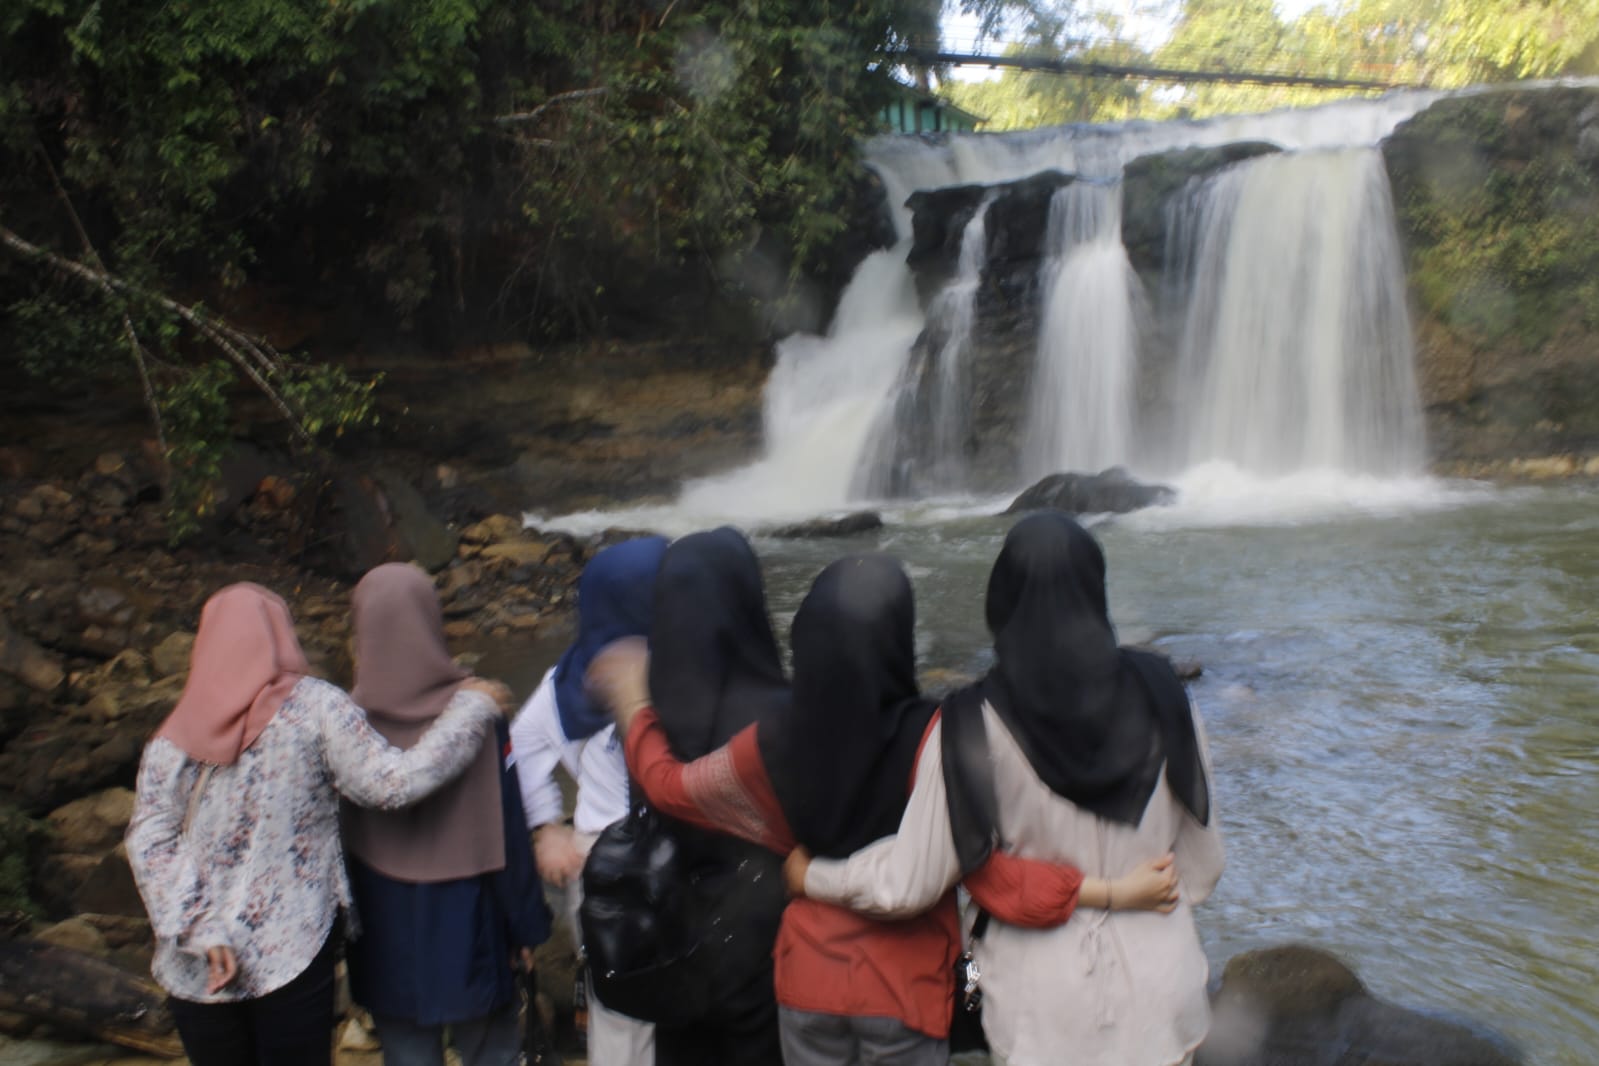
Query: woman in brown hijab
point(446, 891)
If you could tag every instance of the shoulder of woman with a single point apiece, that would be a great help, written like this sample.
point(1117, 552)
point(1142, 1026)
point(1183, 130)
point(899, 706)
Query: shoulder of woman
point(319, 694)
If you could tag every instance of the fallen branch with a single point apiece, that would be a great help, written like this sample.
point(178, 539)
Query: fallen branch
point(255, 358)
point(74, 991)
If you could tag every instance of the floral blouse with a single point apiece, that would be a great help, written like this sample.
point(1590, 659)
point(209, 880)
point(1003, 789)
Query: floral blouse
point(261, 869)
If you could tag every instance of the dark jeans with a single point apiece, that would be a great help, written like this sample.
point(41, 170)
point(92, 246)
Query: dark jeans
point(744, 1033)
point(292, 1026)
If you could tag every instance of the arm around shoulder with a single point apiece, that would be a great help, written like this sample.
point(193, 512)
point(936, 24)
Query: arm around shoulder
point(371, 772)
point(905, 874)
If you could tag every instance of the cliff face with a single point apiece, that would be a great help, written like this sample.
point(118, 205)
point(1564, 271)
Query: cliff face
point(1497, 197)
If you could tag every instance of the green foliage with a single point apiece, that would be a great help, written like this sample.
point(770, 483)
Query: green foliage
point(21, 841)
point(427, 162)
point(1502, 219)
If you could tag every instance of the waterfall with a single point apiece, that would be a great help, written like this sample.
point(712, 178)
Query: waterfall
point(823, 400)
point(1081, 413)
point(951, 318)
point(920, 442)
point(1296, 349)
point(1289, 325)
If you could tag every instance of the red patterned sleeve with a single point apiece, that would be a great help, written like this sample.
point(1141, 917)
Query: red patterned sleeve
point(727, 791)
point(1025, 892)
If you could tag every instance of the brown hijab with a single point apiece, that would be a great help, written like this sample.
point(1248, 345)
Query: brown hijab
point(246, 660)
point(404, 678)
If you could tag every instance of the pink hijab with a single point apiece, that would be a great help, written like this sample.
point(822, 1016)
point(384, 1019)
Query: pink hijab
point(404, 678)
point(246, 660)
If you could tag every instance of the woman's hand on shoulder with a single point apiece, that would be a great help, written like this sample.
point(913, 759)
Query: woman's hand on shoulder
point(494, 690)
point(1152, 886)
point(618, 679)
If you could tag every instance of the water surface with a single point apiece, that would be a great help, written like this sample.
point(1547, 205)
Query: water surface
point(1402, 699)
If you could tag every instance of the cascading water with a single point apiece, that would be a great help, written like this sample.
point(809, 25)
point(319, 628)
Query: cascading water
point(1297, 343)
point(920, 442)
point(1289, 325)
point(822, 401)
point(1081, 415)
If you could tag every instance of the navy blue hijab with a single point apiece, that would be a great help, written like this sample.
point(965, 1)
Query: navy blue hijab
point(615, 599)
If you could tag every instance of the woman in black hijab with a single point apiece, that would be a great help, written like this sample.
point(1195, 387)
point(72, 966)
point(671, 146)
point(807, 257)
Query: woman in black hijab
point(1073, 749)
point(840, 764)
point(1096, 721)
point(715, 669)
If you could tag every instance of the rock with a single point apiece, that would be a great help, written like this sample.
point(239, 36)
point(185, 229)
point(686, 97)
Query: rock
point(171, 657)
point(93, 823)
point(77, 934)
point(1185, 669)
point(30, 507)
point(1111, 491)
point(27, 662)
point(517, 552)
point(1297, 1006)
point(109, 888)
point(17, 462)
point(366, 536)
point(848, 526)
point(105, 606)
point(422, 536)
point(492, 530)
point(458, 578)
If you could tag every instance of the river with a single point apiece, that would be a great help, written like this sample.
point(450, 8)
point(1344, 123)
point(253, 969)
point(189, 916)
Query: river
point(1401, 687)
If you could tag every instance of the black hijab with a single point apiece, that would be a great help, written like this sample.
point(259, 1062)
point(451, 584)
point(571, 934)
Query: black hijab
point(1097, 722)
point(841, 761)
point(714, 664)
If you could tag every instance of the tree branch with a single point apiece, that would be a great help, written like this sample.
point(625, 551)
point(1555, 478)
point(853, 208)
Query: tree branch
point(254, 358)
point(135, 348)
point(559, 98)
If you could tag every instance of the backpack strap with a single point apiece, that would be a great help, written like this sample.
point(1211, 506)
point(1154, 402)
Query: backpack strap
point(969, 778)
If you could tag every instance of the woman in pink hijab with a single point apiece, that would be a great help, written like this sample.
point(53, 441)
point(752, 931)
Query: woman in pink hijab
point(446, 890)
point(234, 840)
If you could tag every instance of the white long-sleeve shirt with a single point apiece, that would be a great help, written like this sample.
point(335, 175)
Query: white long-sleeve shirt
point(596, 763)
point(1118, 988)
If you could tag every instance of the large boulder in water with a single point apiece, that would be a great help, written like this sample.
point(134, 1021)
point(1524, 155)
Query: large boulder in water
point(1111, 491)
point(1296, 1006)
point(848, 526)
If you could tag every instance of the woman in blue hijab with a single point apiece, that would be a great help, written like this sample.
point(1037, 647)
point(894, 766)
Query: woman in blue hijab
point(558, 724)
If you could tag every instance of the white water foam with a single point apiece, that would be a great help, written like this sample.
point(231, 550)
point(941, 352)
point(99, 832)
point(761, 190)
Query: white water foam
point(1220, 495)
point(1081, 411)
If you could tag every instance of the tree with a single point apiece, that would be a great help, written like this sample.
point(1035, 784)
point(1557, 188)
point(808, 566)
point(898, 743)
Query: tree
point(544, 169)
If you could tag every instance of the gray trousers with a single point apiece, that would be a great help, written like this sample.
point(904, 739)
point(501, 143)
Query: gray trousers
point(495, 1040)
point(811, 1039)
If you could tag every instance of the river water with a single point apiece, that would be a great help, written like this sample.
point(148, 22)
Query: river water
point(1401, 687)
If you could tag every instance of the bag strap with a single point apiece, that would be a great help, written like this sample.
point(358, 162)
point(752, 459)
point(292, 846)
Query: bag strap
point(194, 797)
point(969, 778)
